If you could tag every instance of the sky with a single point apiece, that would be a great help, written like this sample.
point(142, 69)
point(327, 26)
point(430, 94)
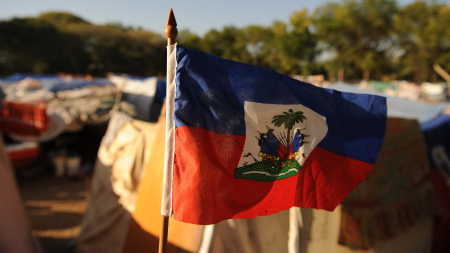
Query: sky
point(199, 16)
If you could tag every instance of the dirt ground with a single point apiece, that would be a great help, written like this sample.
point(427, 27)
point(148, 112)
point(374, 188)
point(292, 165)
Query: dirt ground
point(55, 207)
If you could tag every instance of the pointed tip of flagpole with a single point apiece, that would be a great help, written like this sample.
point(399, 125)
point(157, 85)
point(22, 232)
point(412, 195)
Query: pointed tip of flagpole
point(171, 19)
point(171, 31)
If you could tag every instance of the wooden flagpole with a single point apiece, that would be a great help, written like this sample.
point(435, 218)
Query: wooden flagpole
point(171, 33)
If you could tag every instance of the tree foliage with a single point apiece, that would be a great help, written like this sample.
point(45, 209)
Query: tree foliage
point(363, 39)
point(422, 34)
point(295, 44)
point(61, 42)
point(358, 31)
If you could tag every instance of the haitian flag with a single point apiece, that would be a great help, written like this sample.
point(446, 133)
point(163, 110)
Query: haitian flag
point(244, 141)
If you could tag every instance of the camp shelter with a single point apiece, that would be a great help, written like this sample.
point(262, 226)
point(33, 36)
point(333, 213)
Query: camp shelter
point(41, 107)
point(124, 154)
point(122, 157)
point(145, 95)
point(55, 83)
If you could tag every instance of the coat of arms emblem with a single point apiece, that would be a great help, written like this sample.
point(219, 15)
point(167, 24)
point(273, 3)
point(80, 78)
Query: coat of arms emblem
point(277, 158)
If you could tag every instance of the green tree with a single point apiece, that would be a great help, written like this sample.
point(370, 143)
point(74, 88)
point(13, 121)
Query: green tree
point(29, 45)
point(253, 45)
point(61, 42)
point(222, 44)
point(358, 31)
point(295, 45)
point(423, 39)
point(189, 40)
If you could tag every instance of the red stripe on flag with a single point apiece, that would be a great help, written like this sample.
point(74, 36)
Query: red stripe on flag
point(326, 178)
point(205, 190)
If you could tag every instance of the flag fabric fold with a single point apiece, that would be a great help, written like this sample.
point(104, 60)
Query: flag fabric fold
point(248, 141)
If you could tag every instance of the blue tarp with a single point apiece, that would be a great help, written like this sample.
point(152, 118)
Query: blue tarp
point(64, 84)
point(145, 105)
point(55, 83)
point(160, 93)
point(20, 77)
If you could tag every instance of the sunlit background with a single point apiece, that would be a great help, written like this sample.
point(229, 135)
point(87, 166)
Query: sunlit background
point(73, 67)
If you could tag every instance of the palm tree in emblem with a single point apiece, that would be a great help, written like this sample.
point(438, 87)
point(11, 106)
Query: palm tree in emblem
point(289, 119)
